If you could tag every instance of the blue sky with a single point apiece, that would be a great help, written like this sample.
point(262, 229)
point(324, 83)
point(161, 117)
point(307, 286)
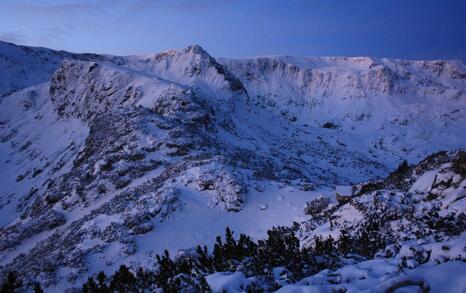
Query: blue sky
point(412, 29)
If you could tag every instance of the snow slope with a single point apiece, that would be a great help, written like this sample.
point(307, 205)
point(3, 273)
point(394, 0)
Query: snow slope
point(22, 66)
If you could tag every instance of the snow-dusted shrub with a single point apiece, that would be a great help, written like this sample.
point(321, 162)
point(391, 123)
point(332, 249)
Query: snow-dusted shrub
point(459, 163)
point(316, 206)
point(329, 125)
point(365, 239)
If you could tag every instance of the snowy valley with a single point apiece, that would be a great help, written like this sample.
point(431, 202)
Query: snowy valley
point(110, 160)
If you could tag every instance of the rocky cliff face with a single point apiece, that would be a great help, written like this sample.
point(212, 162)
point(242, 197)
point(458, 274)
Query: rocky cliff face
point(379, 100)
point(324, 78)
point(97, 150)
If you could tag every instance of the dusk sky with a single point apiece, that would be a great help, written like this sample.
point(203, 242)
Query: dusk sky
point(412, 29)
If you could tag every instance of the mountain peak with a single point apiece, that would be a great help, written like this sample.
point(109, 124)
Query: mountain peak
point(196, 49)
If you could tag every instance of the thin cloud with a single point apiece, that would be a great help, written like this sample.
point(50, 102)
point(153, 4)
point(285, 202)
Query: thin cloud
point(174, 5)
point(71, 7)
point(102, 6)
point(14, 37)
point(196, 5)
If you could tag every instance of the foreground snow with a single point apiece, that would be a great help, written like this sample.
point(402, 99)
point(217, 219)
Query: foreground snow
point(369, 276)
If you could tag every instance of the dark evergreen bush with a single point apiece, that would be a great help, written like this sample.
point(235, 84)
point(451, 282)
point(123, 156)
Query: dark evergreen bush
point(12, 283)
point(281, 248)
point(38, 288)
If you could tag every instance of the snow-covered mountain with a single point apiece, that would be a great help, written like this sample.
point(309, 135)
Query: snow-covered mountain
point(107, 160)
point(387, 104)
